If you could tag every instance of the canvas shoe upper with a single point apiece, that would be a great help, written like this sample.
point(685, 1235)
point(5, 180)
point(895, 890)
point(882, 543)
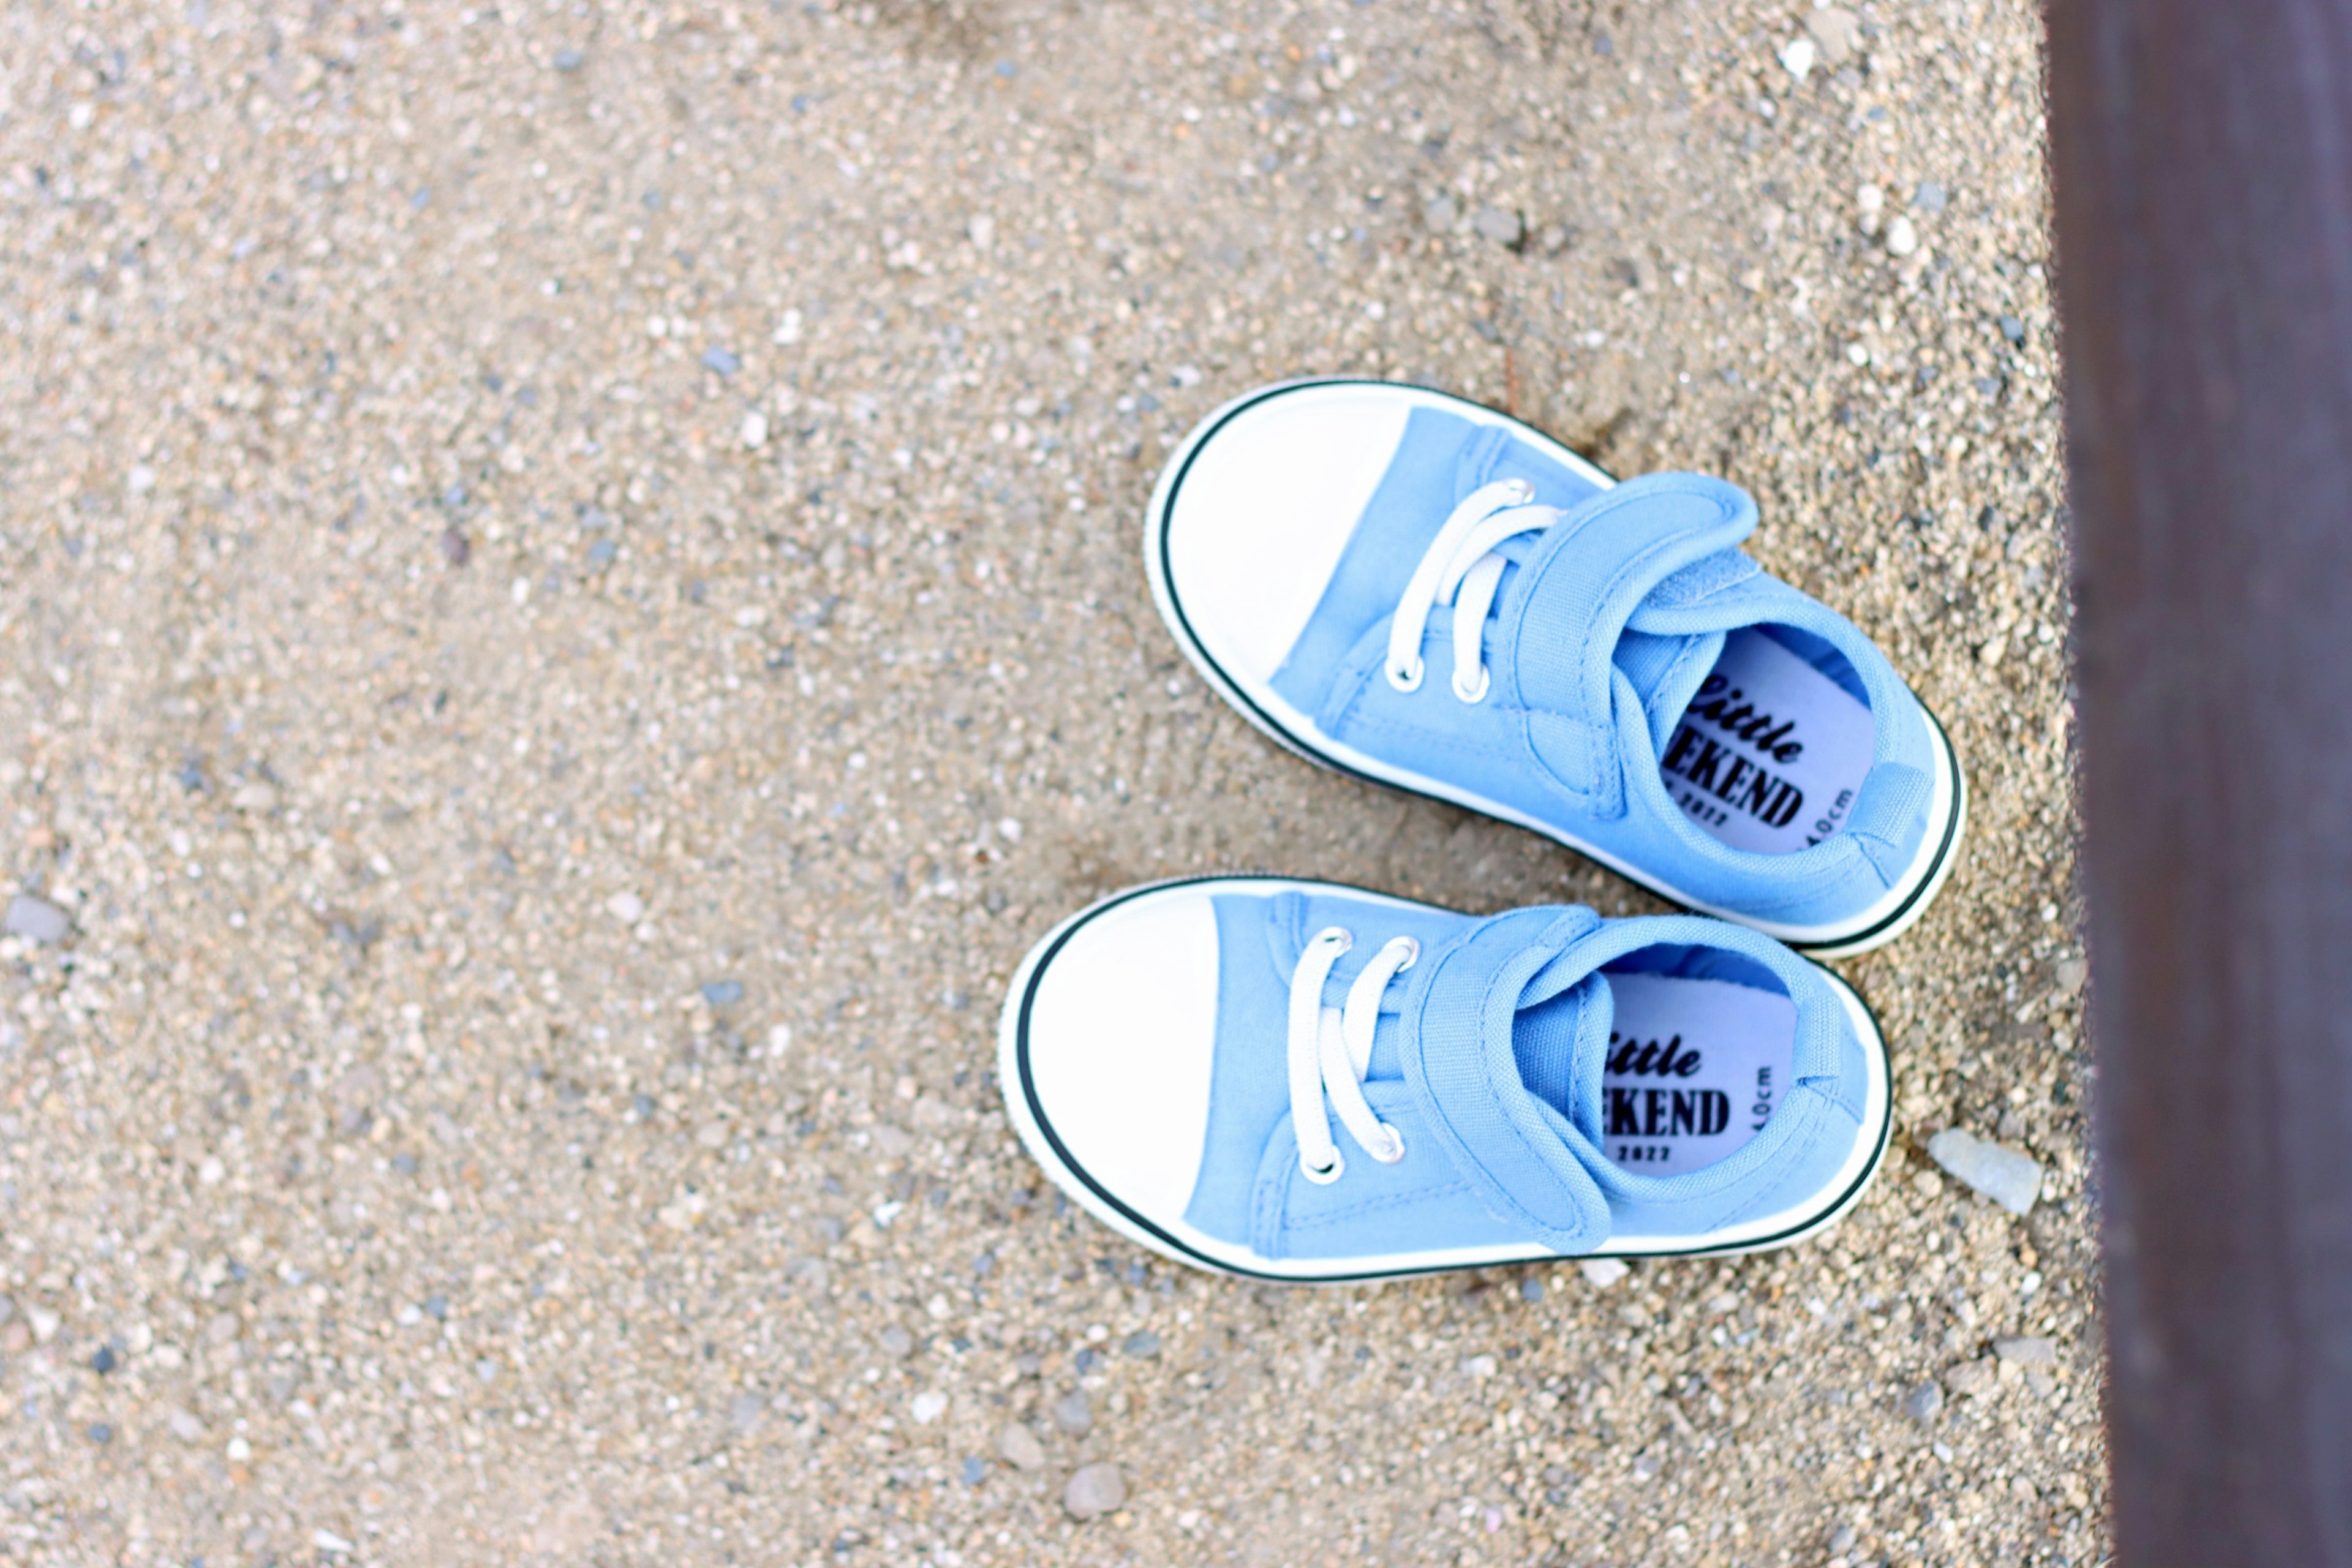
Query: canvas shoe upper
point(1418, 590)
point(1309, 1081)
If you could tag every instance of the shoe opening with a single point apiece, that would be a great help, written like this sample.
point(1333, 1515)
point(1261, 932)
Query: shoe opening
point(1770, 751)
point(1700, 1050)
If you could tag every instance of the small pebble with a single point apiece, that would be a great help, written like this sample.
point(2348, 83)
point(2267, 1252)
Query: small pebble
point(1442, 213)
point(626, 907)
point(927, 1407)
point(1096, 1489)
point(1019, 1448)
point(569, 59)
point(1500, 225)
point(976, 1471)
point(1834, 30)
point(1923, 1402)
point(2008, 1178)
point(2012, 329)
point(1074, 1413)
point(38, 918)
point(897, 1343)
point(1531, 1289)
point(103, 1362)
point(744, 1410)
point(1902, 238)
point(1970, 1378)
point(722, 993)
point(1841, 1539)
point(2030, 1350)
point(721, 360)
point(1930, 198)
point(1602, 1272)
point(100, 1432)
point(1143, 1344)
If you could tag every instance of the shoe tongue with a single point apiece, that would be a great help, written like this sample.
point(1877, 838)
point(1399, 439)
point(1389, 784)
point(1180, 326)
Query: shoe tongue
point(1666, 673)
point(1561, 1044)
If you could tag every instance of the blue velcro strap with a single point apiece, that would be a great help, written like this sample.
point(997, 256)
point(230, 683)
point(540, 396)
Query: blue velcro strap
point(1458, 1061)
point(1582, 586)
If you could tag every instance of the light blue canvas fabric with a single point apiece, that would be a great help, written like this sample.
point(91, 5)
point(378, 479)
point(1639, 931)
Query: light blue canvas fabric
point(1604, 628)
point(1488, 1057)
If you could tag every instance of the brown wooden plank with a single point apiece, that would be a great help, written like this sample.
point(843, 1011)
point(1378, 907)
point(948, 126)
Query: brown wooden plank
point(2203, 155)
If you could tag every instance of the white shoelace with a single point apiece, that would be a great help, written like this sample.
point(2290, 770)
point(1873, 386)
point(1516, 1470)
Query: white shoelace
point(1332, 1047)
point(1461, 568)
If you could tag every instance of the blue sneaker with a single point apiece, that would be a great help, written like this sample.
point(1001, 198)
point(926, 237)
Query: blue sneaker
point(1305, 1081)
point(1411, 588)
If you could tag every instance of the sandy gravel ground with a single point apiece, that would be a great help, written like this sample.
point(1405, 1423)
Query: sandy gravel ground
point(570, 605)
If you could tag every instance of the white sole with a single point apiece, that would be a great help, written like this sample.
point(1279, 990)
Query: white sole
point(1763, 1235)
point(1887, 918)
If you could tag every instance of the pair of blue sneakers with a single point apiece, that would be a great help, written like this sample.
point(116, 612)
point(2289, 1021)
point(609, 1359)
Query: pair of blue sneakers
point(1302, 1081)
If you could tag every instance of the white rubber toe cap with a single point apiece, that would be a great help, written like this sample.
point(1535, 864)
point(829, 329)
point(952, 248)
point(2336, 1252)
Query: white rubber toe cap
point(1122, 1032)
point(1263, 510)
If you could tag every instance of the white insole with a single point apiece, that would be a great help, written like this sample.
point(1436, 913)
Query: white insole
point(1695, 1068)
point(1768, 755)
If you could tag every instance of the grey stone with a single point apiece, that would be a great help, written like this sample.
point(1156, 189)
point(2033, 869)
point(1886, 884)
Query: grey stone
point(1841, 1539)
point(1970, 1378)
point(2032, 1350)
point(1602, 1272)
point(1501, 225)
point(723, 360)
point(568, 58)
point(2008, 1178)
point(2071, 973)
point(1442, 213)
point(1074, 1413)
point(1094, 1490)
point(976, 1471)
point(1018, 1447)
point(1930, 198)
point(897, 1343)
point(1531, 1289)
point(38, 918)
point(1923, 1402)
point(722, 993)
point(744, 1410)
point(1834, 30)
point(1143, 1344)
point(2012, 329)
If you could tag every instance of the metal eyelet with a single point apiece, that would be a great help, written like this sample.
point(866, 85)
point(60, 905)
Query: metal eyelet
point(1407, 679)
point(1396, 1151)
point(1328, 1174)
point(1485, 683)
